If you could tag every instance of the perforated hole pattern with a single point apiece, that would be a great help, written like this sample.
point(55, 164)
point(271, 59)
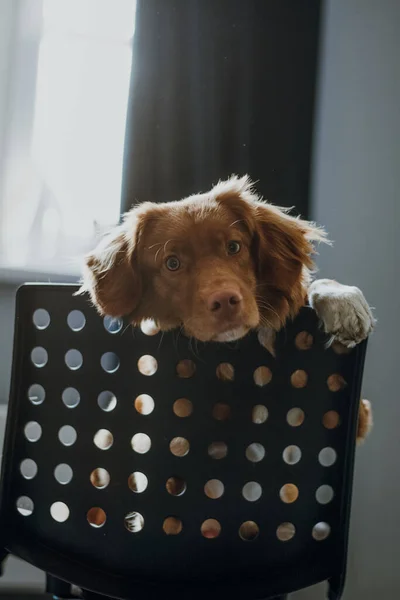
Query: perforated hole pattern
point(209, 447)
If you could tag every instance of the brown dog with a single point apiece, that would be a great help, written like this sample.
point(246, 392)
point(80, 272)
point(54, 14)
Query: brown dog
point(218, 265)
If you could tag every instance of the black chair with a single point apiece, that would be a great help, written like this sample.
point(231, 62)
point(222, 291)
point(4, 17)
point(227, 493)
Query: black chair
point(285, 468)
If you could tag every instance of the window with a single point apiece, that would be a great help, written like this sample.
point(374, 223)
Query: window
point(62, 158)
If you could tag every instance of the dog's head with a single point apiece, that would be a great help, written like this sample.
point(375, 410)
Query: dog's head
point(217, 264)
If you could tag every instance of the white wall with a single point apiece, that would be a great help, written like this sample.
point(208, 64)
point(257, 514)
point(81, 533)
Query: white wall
point(8, 11)
point(357, 197)
point(7, 295)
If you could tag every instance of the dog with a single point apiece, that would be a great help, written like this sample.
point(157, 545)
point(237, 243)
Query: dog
point(220, 264)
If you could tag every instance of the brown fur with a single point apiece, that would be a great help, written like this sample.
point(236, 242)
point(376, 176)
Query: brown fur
point(365, 420)
point(126, 273)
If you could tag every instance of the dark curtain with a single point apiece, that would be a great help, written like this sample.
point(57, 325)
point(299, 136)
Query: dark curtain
point(221, 87)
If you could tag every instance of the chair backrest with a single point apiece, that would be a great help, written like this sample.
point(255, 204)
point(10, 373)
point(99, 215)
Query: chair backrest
point(129, 510)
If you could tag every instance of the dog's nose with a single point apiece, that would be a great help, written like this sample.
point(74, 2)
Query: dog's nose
point(226, 303)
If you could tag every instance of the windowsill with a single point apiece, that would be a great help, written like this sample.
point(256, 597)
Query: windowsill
point(22, 275)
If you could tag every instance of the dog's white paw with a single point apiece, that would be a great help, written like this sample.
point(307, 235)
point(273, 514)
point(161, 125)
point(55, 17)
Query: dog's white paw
point(343, 311)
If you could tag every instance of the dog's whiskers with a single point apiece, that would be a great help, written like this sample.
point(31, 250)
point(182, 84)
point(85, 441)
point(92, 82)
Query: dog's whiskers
point(161, 339)
point(191, 346)
point(125, 328)
point(236, 222)
point(166, 244)
point(264, 322)
point(262, 303)
point(157, 253)
point(175, 339)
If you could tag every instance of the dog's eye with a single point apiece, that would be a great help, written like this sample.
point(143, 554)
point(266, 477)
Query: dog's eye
point(233, 247)
point(173, 263)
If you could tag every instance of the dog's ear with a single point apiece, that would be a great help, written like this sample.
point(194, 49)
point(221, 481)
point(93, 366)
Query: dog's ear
point(111, 273)
point(282, 246)
point(283, 238)
point(283, 255)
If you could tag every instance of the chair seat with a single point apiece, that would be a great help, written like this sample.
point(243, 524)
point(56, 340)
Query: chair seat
point(107, 469)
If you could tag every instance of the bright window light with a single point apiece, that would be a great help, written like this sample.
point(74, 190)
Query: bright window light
point(63, 173)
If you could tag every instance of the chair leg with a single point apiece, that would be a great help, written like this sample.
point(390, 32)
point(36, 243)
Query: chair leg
point(94, 596)
point(3, 558)
point(57, 588)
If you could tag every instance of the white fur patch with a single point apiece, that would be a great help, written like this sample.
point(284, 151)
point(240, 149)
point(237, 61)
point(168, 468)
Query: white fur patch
point(266, 337)
point(232, 335)
point(343, 311)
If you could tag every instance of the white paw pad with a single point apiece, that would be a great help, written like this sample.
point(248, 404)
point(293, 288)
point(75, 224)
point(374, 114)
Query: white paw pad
point(343, 311)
